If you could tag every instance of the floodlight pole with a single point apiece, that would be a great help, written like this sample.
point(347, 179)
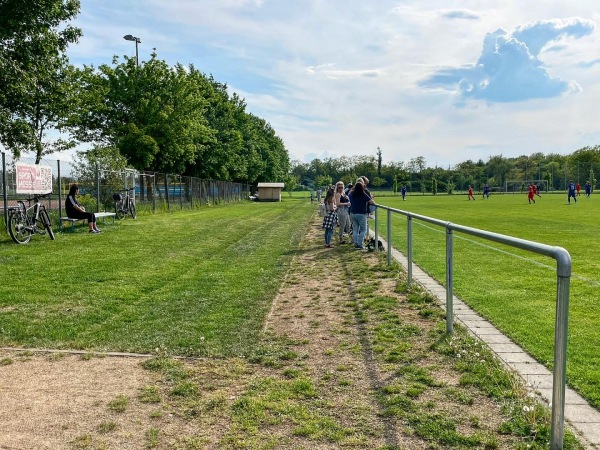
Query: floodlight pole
point(129, 37)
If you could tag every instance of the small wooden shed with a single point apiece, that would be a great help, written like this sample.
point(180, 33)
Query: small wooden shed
point(270, 192)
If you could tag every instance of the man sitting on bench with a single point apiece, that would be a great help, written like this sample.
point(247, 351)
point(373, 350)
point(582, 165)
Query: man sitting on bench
point(76, 211)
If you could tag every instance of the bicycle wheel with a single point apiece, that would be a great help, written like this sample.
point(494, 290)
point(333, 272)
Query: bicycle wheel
point(46, 223)
point(119, 210)
point(16, 226)
point(132, 210)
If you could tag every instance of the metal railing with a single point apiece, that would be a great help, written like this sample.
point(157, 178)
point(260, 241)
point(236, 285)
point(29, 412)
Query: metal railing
point(563, 274)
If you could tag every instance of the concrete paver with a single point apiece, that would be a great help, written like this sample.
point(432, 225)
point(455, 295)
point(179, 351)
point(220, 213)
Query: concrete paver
point(580, 416)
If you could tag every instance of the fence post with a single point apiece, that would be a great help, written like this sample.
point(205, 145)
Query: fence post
point(4, 190)
point(180, 192)
point(59, 189)
point(153, 191)
point(97, 189)
point(191, 192)
point(167, 191)
point(409, 248)
point(449, 295)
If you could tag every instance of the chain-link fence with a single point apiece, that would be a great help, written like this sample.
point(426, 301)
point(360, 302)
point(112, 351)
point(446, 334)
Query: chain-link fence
point(152, 191)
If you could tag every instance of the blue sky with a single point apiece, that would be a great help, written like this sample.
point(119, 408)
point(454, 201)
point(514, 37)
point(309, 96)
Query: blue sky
point(415, 78)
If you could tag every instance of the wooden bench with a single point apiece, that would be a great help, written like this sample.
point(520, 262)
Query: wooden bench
point(99, 215)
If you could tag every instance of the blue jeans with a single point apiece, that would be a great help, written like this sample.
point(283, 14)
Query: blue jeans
point(359, 228)
point(328, 235)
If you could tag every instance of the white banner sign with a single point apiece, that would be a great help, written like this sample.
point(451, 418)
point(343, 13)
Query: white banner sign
point(33, 178)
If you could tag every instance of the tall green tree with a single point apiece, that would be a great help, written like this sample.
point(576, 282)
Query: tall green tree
point(35, 77)
point(153, 113)
point(498, 167)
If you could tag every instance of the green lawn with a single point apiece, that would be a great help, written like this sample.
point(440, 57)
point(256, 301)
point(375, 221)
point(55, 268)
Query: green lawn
point(190, 283)
point(516, 290)
point(200, 282)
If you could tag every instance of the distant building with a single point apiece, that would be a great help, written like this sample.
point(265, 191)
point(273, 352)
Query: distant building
point(270, 192)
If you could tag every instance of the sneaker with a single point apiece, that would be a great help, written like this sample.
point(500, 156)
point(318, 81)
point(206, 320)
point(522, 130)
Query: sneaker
point(98, 231)
point(94, 232)
point(371, 216)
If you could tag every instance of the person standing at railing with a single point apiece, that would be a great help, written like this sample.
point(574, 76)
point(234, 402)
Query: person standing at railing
point(359, 209)
point(342, 201)
point(76, 211)
point(330, 220)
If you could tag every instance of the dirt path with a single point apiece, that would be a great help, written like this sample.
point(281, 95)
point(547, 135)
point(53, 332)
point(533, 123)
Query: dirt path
point(328, 375)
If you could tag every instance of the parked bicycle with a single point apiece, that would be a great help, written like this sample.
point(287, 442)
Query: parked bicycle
point(124, 203)
point(24, 221)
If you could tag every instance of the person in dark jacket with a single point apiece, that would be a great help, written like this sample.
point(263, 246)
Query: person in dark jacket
point(359, 210)
point(76, 211)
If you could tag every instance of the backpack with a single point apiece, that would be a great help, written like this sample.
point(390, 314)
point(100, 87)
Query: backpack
point(322, 210)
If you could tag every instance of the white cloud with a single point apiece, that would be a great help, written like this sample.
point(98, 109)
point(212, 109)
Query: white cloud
point(414, 78)
point(509, 68)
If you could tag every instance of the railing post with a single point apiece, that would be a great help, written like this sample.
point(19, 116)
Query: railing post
point(560, 359)
point(376, 226)
point(409, 248)
point(449, 295)
point(389, 238)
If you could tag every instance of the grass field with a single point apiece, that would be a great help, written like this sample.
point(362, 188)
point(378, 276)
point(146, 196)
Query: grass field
point(191, 283)
point(516, 290)
point(163, 280)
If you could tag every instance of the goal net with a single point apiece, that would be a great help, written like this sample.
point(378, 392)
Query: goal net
point(519, 186)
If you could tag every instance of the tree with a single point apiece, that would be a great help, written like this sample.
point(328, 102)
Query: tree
point(35, 77)
point(291, 183)
point(86, 163)
point(323, 181)
point(379, 160)
point(498, 167)
point(153, 113)
point(108, 162)
point(378, 182)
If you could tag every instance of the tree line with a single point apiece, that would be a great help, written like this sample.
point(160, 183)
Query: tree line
point(147, 115)
point(498, 172)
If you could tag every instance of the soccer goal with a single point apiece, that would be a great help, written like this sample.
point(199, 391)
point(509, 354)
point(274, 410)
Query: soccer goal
point(518, 186)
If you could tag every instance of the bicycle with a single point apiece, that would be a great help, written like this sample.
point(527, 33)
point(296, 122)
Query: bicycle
point(24, 221)
point(124, 204)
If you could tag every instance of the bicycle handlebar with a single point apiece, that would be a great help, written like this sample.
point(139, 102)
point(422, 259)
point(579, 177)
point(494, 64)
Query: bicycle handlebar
point(38, 196)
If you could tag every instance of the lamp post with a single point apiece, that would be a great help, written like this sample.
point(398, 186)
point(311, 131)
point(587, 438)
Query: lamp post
point(129, 37)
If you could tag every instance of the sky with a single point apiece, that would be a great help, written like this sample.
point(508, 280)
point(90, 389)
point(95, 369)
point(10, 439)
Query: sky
point(448, 81)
